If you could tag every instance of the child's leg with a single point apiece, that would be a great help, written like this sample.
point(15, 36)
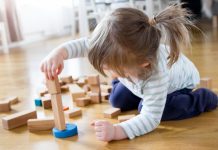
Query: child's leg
point(123, 98)
point(186, 103)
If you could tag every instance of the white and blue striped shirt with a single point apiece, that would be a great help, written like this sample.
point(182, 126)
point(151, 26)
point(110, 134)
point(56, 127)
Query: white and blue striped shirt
point(153, 91)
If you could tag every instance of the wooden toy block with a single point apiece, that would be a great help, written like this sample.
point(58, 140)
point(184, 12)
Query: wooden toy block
point(95, 98)
point(67, 79)
point(53, 86)
point(65, 108)
point(81, 82)
point(84, 101)
point(73, 112)
point(64, 88)
point(42, 91)
point(112, 112)
point(18, 119)
point(93, 80)
point(5, 106)
point(38, 102)
point(76, 91)
point(105, 96)
point(12, 99)
point(58, 112)
point(206, 83)
point(95, 88)
point(125, 117)
point(40, 124)
point(61, 83)
point(46, 102)
point(106, 88)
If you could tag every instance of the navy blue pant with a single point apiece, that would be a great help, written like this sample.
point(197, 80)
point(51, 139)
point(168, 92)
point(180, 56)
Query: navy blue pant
point(180, 104)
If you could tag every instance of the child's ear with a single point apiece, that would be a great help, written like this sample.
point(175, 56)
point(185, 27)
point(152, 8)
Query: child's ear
point(144, 65)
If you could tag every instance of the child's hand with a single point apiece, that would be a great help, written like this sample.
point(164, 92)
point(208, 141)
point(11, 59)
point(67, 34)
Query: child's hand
point(53, 64)
point(105, 131)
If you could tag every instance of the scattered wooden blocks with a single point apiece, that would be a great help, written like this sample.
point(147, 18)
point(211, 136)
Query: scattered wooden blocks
point(18, 119)
point(125, 117)
point(53, 86)
point(40, 124)
point(95, 98)
point(65, 108)
point(46, 102)
point(73, 112)
point(84, 101)
point(67, 79)
point(106, 88)
point(58, 111)
point(93, 80)
point(76, 91)
point(38, 102)
point(5, 106)
point(206, 83)
point(112, 112)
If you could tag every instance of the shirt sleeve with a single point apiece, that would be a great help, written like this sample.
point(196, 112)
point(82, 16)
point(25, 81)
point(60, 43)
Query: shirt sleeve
point(76, 48)
point(154, 98)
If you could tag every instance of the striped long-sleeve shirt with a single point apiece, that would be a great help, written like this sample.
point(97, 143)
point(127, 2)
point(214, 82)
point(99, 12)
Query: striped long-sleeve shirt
point(153, 91)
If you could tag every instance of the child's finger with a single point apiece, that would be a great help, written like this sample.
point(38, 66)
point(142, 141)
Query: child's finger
point(99, 122)
point(98, 134)
point(60, 68)
point(46, 72)
point(53, 70)
point(49, 72)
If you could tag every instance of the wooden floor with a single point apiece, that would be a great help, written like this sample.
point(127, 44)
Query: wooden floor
point(20, 75)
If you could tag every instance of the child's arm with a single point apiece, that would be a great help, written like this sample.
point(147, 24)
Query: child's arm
point(53, 64)
point(154, 98)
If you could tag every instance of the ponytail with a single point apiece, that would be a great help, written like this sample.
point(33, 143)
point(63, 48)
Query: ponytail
point(174, 22)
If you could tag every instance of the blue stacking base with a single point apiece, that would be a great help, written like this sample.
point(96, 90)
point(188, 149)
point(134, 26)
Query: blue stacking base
point(71, 130)
point(38, 102)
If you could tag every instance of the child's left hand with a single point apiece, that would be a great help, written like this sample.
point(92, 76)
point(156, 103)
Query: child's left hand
point(105, 131)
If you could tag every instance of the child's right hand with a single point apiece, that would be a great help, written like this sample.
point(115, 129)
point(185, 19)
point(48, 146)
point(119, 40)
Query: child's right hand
point(53, 64)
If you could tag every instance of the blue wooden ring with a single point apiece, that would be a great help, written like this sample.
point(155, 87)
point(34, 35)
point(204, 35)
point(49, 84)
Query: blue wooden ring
point(71, 130)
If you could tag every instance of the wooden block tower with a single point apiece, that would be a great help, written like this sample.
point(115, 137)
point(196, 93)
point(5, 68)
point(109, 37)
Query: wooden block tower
point(61, 129)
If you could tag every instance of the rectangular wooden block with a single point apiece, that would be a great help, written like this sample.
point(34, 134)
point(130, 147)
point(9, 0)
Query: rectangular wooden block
point(65, 108)
point(76, 91)
point(18, 119)
point(106, 88)
point(40, 124)
point(125, 117)
point(111, 112)
point(93, 80)
point(95, 98)
point(67, 79)
point(53, 86)
point(206, 83)
point(64, 88)
point(73, 112)
point(5, 106)
point(95, 88)
point(84, 101)
point(46, 102)
point(12, 99)
point(58, 112)
point(42, 91)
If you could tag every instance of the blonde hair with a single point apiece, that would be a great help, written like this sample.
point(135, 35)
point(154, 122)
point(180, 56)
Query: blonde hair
point(127, 38)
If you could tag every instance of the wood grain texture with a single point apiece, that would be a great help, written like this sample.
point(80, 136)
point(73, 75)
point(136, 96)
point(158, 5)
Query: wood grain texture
point(20, 76)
